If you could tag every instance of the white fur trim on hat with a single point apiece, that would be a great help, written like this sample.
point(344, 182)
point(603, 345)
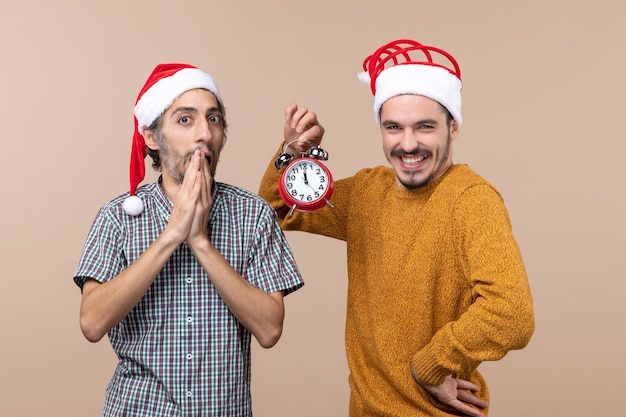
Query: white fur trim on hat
point(429, 81)
point(163, 93)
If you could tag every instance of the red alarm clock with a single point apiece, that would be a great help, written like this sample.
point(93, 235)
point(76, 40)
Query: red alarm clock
point(306, 184)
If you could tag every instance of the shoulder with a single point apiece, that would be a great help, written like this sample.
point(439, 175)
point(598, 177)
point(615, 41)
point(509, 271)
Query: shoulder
point(113, 209)
point(463, 175)
point(368, 176)
point(461, 179)
point(232, 192)
point(472, 195)
point(234, 197)
point(380, 172)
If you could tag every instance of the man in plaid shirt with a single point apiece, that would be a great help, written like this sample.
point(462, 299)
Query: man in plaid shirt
point(182, 272)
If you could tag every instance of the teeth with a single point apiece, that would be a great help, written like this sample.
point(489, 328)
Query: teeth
point(413, 159)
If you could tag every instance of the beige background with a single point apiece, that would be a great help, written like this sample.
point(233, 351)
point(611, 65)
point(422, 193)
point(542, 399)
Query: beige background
point(543, 121)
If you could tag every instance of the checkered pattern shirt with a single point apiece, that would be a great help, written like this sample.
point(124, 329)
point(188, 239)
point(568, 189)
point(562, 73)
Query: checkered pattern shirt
point(181, 352)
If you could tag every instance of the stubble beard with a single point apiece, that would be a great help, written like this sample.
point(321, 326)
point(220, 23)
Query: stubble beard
point(412, 183)
point(175, 162)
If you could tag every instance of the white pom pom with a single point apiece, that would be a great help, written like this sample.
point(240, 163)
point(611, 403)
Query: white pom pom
point(364, 77)
point(133, 205)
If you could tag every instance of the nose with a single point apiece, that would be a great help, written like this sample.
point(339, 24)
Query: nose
point(409, 140)
point(204, 133)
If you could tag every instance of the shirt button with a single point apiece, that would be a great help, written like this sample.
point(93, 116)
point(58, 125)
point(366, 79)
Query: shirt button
point(188, 393)
point(189, 319)
point(189, 356)
point(189, 280)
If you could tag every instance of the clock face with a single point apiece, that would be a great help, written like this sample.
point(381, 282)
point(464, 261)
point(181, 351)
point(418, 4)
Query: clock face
point(307, 184)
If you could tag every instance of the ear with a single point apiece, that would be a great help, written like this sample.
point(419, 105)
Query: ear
point(149, 136)
point(455, 129)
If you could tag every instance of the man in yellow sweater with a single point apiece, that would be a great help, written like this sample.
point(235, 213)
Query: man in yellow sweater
point(436, 281)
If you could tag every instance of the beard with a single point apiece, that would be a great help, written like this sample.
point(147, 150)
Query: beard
point(176, 163)
point(412, 180)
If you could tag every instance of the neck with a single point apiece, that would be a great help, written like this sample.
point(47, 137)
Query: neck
point(170, 187)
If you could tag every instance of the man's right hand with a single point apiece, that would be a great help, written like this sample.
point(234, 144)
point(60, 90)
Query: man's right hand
point(184, 210)
point(302, 125)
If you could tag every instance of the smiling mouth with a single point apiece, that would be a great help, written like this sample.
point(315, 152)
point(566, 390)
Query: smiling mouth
point(413, 160)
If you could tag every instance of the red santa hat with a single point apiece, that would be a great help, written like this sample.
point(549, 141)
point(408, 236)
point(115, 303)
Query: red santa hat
point(166, 83)
point(394, 69)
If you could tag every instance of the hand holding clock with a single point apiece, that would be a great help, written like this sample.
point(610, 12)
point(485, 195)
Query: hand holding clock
point(306, 184)
point(301, 125)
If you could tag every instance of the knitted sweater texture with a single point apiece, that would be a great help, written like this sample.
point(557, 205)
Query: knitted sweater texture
point(435, 281)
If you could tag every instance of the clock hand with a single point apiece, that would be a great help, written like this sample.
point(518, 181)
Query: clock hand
point(306, 180)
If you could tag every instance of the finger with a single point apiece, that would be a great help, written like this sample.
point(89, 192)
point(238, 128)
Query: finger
point(289, 111)
point(201, 173)
point(465, 384)
point(466, 409)
point(305, 120)
point(472, 399)
point(299, 119)
point(313, 134)
point(207, 181)
point(189, 178)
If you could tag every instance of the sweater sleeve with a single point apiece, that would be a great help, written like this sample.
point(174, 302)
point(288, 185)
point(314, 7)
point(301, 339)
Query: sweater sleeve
point(500, 317)
point(327, 221)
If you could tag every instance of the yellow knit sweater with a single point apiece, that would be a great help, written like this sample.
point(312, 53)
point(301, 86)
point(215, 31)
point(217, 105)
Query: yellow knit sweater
point(435, 279)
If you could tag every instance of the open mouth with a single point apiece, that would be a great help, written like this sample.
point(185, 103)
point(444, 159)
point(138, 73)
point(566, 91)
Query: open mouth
point(413, 160)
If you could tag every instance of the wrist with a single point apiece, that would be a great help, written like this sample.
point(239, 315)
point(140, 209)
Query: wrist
point(199, 244)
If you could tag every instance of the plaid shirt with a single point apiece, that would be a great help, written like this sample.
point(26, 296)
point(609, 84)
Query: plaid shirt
point(181, 352)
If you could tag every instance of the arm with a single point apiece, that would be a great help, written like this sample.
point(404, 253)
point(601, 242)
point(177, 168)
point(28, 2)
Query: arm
point(259, 312)
point(501, 316)
point(104, 305)
point(331, 222)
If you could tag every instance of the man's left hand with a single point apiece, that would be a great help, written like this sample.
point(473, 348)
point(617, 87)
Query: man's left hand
point(456, 393)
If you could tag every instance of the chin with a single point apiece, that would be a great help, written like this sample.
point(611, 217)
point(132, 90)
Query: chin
point(411, 182)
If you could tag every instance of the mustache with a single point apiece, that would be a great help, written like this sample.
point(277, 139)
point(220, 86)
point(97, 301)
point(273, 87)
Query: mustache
point(189, 154)
point(419, 149)
point(416, 151)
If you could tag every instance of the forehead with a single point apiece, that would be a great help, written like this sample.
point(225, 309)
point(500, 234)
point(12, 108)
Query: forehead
point(411, 105)
point(197, 98)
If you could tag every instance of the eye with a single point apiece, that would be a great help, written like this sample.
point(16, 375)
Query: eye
point(215, 119)
point(184, 120)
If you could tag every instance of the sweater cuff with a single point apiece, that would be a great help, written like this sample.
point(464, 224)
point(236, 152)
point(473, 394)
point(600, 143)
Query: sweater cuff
point(428, 368)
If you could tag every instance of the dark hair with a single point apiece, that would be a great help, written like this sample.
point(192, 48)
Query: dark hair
point(449, 117)
point(154, 154)
point(156, 128)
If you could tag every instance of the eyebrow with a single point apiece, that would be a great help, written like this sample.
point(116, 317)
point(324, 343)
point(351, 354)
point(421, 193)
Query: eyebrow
point(194, 110)
point(419, 122)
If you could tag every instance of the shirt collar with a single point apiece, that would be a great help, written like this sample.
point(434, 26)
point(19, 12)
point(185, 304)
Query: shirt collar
point(164, 201)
